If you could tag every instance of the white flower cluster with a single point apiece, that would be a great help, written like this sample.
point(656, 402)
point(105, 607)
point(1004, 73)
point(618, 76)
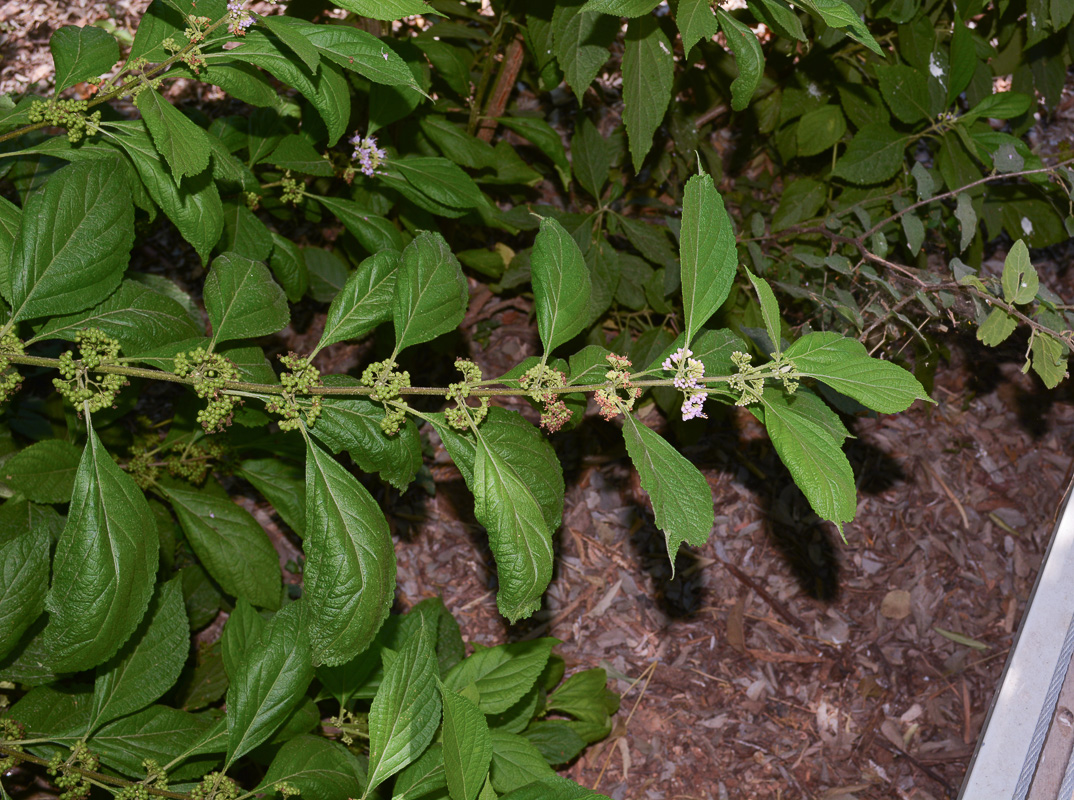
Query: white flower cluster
point(688, 372)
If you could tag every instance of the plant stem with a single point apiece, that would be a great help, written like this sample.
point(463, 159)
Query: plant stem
point(94, 776)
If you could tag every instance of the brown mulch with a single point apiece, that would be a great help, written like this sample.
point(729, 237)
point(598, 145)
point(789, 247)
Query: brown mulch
point(781, 662)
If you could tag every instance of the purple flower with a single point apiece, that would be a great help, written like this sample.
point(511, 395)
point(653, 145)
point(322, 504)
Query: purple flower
point(367, 153)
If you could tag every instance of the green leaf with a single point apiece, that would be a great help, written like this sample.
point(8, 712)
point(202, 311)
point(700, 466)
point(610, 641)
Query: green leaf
point(905, 90)
point(556, 741)
point(963, 59)
point(295, 153)
point(138, 317)
point(840, 14)
point(289, 267)
point(318, 768)
point(23, 582)
point(545, 138)
point(555, 788)
point(270, 685)
point(1049, 359)
point(467, 745)
point(814, 459)
point(349, 574)
point(799, 202)
point(242, 299)
point(682, 499)
point(581, 41)
point(158, 733)
point(914, 229)
point(291, 32)
point(502, 675)
point(820, 130)
point(648, 72)
point(748, 58)
point(440, 179)
point(707, 252)
point(364, 302)
point(1020, 281)
point(696, 22)
point(282, 485)
point(10, 214)
point(561, 285)
point(516, 762)
point(230, 544)
point(621, 8)
point(44, 472)
point(148, 665)
point(74, 241)
point(431, 292)
point(242, 632)
point(405, 713)
point(183, 144)
point(105, 563)
point(967, 220)
point(373, 232)
point(244, 233)
point(996, 328)
point(359, 51)
point(585, 696)
point(1002, 105)
point(80, 53)
point(875, 154)
point(778, 16)
point(591, 156)
point(769, 311)
point(195, 208)
point(387, 10)
point(845, 365)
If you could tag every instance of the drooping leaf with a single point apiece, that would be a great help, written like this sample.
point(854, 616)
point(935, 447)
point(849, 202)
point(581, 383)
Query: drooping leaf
point(364, 302)
point(696, 22)
point(244, 233)
point(242, 633)
point(74, 241)
point(105, 563)
point(545, 138)
point(998, 325)
point(707, 253)
point(516, 762)
point(467, 745)
point(242, 299)
point(1020, 281)
point(320, 769)
point(502, 675)
point(183, 144)
point(81, 53)
point(289, 267)
point(748, 58)
point(648, 72)
point(840, 14)
point(875, 154)
point(1049, 359)
point(581, 42)
point(350, 561)
point(561, 285)
point(282, 485)
point(292, 33)
point(967, 220)
point(359, 51)
point(431, 292)
point(23, 582)
point(271, 683)
point(769, 311)
point(44, 472)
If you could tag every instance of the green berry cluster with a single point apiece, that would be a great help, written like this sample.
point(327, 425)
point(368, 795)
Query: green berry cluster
point(540, 381)
point(155, 775)
point(747, 381)
point(211, 373)
point(10, 379)
point(300, 380)
point(142, 467)
point(788, 374)
point(70, 775)
point(253, 200)
point(194, 461)
point(463, 416)
point(293, 190)
point(79, 383)
point(288, 789)
point(136, 792)
point(387, 383)
point(70, 114)
point(10, 731)
point(215, 786)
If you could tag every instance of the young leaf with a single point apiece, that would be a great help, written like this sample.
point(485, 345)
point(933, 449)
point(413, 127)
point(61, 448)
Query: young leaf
point(364, 302)
point(648, 72)
point(105, 563)
point(23, 583)
point(998, 325)
point(561, 285)
point(707, 252)
point(149, 664)
point(1020, 281)
point(431, 293)
point(696, 22)
point(405, 713)
point(748, 58)
point(44, 472)
point(467, 745)
point(350, 561)
point(769, 310)
point(845, 365)
point(242, 632)
point(502, 675)
point(875, 154)
point(318, 768)
point(581, 42)
point(682, 499)
point(270, 685)
point(80, 53)
point(516, 762)
point(242, 299)
point(183, 144)
point(74, 240)
point(230, 544)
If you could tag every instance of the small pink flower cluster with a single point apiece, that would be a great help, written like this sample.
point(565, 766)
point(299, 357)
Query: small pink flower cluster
point(368, 154)
point(537, 380)
point(688, 371)
point(611, 404)
point(239, 19)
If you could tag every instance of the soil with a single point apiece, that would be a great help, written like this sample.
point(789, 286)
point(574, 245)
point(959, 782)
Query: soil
point(781, 661)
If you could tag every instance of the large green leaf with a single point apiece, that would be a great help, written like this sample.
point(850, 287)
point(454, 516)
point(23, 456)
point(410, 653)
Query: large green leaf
point(364, 302)
point(359, 51)
point(875, 154)
point(709, 259)
point(622, 8)
point(10, 214)
point(696, 22)
point(581, 42)
point(271, 683)
point(318, 768)
point(242, 633)
point(820, 130)
point(230, 544)
point(554, 788)
point(748, 58)
point(502, 675)
point(244, 233)
point(44, 472)
point(561, 285)
point(183, 144)
point(431, 293)
point(148, 665)
point(242, 299)
point(289, 267)
point(648, 72)
point(282, 484)
point(387, 10)
point(467, 745)
point(105, 563)
point(845, 365)
point(135, 315)
point(773, 323)
point(80, 53)
point(545, 138)
point(159, 733)
point(294, 33)
point(23, 583)
point(373, 232)
point(840, 14)
point(1020, 281)
point(516, 762)
point(405, 713)
point(682, 499)
point(350, 561)
point(74, 241)
point(440, 179)
point(905, 90)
